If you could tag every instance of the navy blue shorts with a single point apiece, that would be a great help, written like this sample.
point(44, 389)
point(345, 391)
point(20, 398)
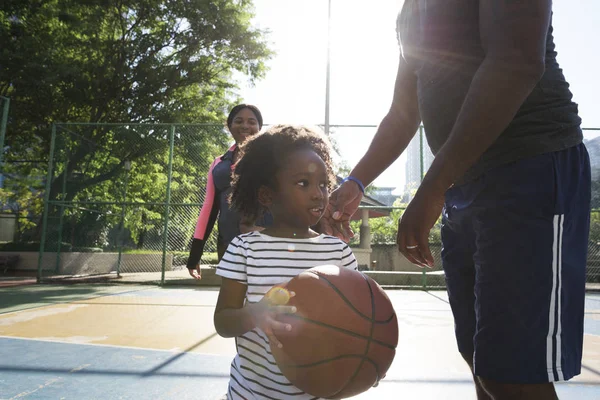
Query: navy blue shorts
point(514, 254)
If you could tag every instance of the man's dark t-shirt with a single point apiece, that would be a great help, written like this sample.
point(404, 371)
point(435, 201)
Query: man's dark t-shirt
point(440, 41)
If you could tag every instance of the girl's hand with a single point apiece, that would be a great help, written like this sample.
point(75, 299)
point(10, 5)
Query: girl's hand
point(264, 313)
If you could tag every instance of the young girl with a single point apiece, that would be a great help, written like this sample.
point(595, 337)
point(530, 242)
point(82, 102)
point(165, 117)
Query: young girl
point(288, 172)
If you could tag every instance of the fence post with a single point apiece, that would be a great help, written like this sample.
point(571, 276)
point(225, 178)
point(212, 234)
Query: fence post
point(168, 202)
point(3, 123)
point(60, 218)
point(127, 168)
point(422, 166)
point(46, 204)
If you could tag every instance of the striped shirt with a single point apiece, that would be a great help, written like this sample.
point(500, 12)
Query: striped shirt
point(260, 262)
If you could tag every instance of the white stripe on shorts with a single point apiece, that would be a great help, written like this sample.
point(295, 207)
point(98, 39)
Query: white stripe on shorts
point(553, 359)
point(558, 362)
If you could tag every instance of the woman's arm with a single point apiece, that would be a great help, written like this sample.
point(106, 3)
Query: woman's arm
point(206, 221)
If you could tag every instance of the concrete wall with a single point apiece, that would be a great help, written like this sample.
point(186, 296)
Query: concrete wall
point(93, 263)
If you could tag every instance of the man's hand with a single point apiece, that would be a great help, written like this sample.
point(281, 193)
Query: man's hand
point(195, 273)
point(415, 225)
point(343, 203)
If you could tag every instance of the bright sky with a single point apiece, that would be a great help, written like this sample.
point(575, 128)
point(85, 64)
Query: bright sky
point(364, 57)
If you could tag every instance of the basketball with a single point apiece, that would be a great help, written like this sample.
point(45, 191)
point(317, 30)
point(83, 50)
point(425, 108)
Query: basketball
point(344, 333)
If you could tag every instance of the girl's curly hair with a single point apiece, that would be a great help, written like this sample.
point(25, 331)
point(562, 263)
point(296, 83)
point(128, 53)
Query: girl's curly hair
point(263, 156)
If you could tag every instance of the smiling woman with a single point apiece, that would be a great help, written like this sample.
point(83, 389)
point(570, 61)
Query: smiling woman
point(244, 121)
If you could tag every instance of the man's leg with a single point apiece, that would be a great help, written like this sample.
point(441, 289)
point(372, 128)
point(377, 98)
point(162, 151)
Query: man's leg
point(483, 388)
point(532, 226)
point(457, 257)
point(508, 391)
point(482, 394)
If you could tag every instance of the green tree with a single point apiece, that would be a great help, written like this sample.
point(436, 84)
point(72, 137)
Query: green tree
point(113, 61)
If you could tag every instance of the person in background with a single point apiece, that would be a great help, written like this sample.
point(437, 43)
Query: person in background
point(244, 121)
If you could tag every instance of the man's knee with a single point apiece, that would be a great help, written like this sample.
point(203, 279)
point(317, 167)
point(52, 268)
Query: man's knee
point(510, 391)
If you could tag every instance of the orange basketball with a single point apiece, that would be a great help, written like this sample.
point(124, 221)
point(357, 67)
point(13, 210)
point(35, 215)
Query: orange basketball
point(344, 333)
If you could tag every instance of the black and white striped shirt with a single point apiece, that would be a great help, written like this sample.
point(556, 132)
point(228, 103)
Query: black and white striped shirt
point(260, 262)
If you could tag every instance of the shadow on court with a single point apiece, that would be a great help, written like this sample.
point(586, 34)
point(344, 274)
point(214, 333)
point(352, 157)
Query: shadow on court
point(142, 342)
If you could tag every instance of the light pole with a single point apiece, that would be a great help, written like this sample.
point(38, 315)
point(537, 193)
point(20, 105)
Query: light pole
point(328, 70)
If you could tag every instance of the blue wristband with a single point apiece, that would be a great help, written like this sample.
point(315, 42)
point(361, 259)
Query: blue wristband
point(355, 180)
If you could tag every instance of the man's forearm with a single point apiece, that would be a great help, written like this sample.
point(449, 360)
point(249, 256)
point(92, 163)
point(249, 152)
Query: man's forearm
point(392, 137)
point(495, 96)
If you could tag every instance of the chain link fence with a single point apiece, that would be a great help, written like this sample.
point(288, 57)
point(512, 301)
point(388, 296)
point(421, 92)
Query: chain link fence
point(123, 200)
point(4, 108)
point(21, 186)
point(7, 220)
point(592, 142)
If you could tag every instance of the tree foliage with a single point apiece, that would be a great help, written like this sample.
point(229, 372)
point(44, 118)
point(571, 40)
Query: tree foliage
point(102, 61)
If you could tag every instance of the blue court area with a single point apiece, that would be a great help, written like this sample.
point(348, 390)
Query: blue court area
point(144, 342)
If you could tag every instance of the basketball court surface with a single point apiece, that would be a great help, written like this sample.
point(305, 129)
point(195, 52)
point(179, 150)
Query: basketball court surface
point(146, 342)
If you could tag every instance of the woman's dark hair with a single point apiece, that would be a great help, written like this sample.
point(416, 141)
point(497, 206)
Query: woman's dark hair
point(263, 156)
point(239, 108)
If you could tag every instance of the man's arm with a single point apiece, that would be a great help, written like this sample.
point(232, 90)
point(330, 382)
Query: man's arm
point(513, 34)
point(395, 130)
point(393, 136)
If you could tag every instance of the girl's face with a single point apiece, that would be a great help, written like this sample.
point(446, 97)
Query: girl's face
point(244, 124)
point(302, 192)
